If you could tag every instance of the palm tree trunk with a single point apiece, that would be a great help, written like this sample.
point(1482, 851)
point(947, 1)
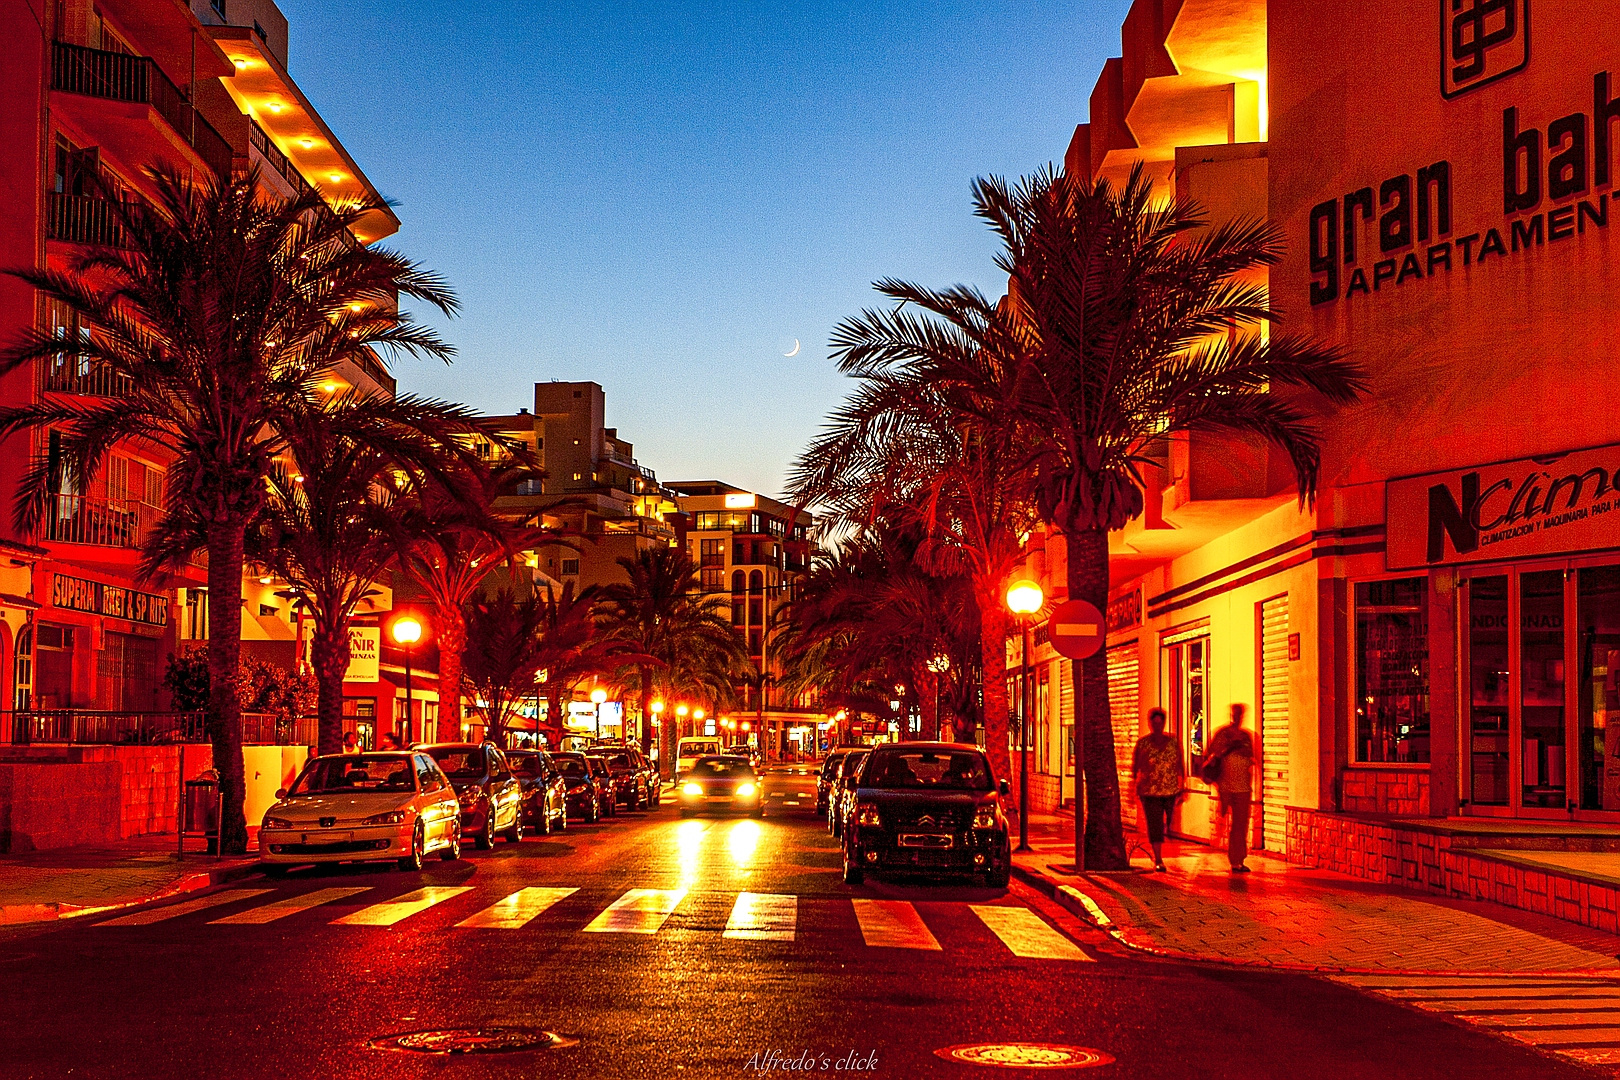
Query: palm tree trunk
point(452, 643)
point(1105, 834)
point(646, 710)
point(993, 655)
point(329, 654)
point(224, 715)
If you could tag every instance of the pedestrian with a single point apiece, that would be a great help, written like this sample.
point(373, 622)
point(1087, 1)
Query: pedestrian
point(1156, 767)
point(1229, 765)
point(391, 741)
point(351, 743)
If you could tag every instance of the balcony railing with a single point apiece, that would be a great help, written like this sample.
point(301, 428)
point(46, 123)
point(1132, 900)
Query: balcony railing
point(367, 361)
point(76, 69)
point(118, 728)
point(271, 153)
point(86, 219)
point(83, 519)
point(72, 375)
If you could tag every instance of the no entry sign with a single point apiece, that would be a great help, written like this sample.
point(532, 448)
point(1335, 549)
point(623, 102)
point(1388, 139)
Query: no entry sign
point(1076, 629)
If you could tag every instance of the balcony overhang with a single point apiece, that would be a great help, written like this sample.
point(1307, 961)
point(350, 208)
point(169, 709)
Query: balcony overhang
point(132, 133)
point(170, 34)
point(263, 90)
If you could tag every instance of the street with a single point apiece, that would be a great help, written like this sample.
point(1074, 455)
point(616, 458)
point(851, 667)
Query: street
point(659, 948)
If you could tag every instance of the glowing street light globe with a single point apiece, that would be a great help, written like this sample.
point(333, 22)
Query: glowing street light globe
point(599, 695)
point(657, 706)
point(407, 631)
point(681, 710)
point(697, 714)
point(1024, 598)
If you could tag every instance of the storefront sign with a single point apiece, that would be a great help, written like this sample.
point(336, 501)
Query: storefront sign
point(365, 644)
point(1511, 510)
point(1125, 612)
point(112, 601)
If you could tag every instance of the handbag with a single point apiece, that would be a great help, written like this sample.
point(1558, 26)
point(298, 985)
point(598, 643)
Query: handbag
point(1210, 771)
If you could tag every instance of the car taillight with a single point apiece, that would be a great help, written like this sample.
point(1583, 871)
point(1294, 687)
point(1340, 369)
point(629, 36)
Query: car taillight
point(866, 814)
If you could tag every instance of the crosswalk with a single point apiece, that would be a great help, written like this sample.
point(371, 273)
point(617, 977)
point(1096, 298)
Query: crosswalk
point(753, 917)
point(1575, 1016)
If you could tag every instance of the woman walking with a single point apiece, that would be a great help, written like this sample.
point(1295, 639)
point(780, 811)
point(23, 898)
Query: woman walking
point(1156, 767)
point(1229, 766)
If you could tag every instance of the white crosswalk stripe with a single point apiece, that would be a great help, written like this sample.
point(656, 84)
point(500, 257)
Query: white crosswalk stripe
point(1027, 934)
point(639, 911)
point(1575, 1016)
point(161, 914)
point(893, 924)
point(763, 917)
point(292, 905)
point(517, 910)
point(392, 911)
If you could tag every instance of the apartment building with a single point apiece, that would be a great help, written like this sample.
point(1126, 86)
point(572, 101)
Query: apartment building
point(91, 95)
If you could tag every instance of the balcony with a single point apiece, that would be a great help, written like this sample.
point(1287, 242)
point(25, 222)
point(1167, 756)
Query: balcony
point(72, 375)
point(86, 219)
point(276, 159)
point(136, 80)
point(84, 519)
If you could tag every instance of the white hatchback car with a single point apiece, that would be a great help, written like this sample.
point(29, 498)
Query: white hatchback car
point(360, 807)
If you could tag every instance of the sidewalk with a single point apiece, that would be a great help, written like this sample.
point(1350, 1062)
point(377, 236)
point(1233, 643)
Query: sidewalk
point(73, 881)
point(1301, 919)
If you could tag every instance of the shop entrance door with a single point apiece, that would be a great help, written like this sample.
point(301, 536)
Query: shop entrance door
point(1273, 722)
point(1541, 650)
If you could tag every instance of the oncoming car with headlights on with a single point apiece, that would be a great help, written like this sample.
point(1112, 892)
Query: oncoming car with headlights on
point(394, 805)
point(721, 784)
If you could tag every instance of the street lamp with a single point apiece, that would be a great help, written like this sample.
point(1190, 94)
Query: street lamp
point(1024, 599)
point(598, 696)
point(938, 665)
point(407, 632)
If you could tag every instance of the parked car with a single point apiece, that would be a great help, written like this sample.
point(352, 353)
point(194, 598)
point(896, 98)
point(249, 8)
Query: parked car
point(655, 778)
point(841, 797)
point(604, 784)
point(360, 807)
point(491, 798)
point(928, 808)
point(545, 794)
point(824, 778)
point(688, 750)
point(584, 794)
point(721, 783)
point(632, 784)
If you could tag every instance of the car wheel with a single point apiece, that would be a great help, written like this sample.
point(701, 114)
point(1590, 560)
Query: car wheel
point(545, 820)
point(413, 861)
point(515, 833)
point(853, 874)
point(593, 813)
point(486, 836)
point(998, 878)
point(759, 811)
point(452, 851)
point(562, 820)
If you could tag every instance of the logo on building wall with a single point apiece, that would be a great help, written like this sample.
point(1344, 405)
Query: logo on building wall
point(112, 601)
point(1481, 41)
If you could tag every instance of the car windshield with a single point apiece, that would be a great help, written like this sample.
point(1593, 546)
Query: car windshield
point(731, 768)
point(928, 770)
point(829, 767)
point(573, 768)
point(355, 772)
point(459, 762)
point(524, 764)
point(852, 767)
point(621, 761)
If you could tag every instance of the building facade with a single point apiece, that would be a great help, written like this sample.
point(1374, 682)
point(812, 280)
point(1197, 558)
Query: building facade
point(1433, 636)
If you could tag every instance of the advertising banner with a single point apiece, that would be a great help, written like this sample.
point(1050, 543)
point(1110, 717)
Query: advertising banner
point(365, 650)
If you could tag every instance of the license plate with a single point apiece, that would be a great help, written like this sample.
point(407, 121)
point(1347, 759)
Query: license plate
point(926, 840)
point(327, 837)
point(719, 798)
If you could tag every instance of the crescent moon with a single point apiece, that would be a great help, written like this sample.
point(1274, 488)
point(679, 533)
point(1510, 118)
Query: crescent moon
point(795, 351)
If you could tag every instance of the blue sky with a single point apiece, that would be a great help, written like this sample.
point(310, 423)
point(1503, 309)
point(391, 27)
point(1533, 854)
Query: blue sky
point(661, 198)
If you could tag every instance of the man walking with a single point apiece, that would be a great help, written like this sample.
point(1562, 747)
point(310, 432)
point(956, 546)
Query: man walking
point(1229, 765)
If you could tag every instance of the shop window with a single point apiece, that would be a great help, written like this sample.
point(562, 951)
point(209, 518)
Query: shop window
point(1184, 669)
point(1597, 606)
point(53, 666)
point(1541, 689)
point(1392, 671)
point(1043, 720)
point(1488, 690)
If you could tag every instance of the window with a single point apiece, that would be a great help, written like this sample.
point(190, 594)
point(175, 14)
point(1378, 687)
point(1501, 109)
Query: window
point(756, 582)
point(755, 641)
point(1392, 671)
point(570, 566)
point(736, 613)
point(1184, 660)
point(1043, 721)
point(756, 612)
point(713, 580)
point(219, 8)
point(737, 581)
point(24, 669)
point(713, 553)
point(268, 609)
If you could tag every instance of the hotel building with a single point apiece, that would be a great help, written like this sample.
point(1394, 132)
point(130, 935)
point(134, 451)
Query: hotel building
point(1438, 635)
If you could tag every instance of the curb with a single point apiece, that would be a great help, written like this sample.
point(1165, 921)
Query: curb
point(1084, 906)
point(21, 914)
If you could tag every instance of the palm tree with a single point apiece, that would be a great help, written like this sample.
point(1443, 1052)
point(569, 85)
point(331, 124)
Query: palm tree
point(505, 641)
point(930, 439)
point(452, 538)
point(217, 318)
point(1135, 321)
point(660, 615)
point(574, 647)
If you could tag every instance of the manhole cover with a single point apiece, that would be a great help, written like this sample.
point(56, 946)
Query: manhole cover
point(489, 1040)
point(1026, 1055)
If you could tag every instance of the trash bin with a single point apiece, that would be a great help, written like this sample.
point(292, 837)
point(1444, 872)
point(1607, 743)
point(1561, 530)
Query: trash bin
point(202, 809)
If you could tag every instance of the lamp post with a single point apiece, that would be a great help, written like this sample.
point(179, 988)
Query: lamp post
point(598, 696)
point(1024, 598)
point(938, 666)
point(657, 707)
point(407, 632)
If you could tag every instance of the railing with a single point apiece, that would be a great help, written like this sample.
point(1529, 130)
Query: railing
point(271, 153)
point(83, 519)
point(74, 375)
point(367, 362)
point(115, 728)
point(76, 69)
point(86, 219)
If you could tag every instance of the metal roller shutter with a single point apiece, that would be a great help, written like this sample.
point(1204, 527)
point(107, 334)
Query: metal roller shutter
point(1273, 721)
point(1124, 699)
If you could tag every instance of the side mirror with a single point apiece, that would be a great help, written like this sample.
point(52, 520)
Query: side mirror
point(1002, 787)
point(281, 793)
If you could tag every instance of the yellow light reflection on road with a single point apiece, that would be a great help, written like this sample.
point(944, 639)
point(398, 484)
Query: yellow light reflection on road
point(743, 841)
point(688, 844)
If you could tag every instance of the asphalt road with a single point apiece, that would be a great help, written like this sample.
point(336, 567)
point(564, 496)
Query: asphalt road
point(814, 972)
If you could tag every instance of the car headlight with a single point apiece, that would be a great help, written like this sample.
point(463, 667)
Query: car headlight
point(692, 789)
point(276, 822)
point(745, 790)
point(866, 814)
point(984, 817)
point(393, 817)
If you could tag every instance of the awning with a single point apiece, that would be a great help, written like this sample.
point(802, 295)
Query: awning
point(13, 600)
